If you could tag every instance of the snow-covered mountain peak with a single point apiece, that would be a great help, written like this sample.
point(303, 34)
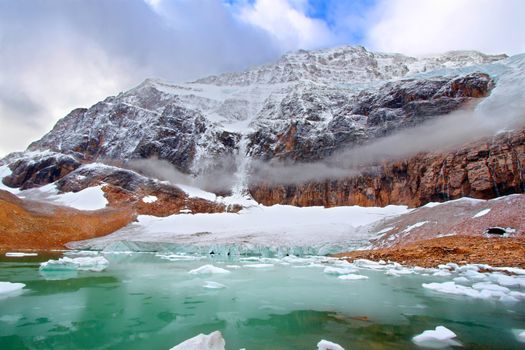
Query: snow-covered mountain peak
point(346, 65)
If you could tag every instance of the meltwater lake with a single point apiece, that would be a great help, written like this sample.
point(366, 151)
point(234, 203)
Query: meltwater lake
point(152, 301)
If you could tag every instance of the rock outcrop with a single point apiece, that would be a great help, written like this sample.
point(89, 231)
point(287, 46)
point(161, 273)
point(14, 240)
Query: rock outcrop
point(485, 169)
point(126, 188)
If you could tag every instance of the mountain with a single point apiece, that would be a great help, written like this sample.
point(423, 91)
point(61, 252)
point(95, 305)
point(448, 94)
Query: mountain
point(303, 109)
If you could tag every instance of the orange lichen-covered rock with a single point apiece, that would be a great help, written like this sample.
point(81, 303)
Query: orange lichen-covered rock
point(26, 224)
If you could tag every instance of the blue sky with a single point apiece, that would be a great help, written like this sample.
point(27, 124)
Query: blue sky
point(58, 55)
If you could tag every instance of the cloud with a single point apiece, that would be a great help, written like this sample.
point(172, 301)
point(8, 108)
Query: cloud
point(287, 21)
point(435, 26)
point(56, 56)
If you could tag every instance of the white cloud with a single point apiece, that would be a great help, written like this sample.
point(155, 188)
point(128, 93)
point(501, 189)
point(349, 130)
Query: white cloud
point(432, 26)
point(57, 56)
point(287, 22)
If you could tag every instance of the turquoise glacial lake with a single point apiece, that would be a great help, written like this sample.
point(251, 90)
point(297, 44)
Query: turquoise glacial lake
point(144, 301)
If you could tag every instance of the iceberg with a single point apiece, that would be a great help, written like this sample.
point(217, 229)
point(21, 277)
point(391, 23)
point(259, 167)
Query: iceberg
point(95, 264)
point(212, 341)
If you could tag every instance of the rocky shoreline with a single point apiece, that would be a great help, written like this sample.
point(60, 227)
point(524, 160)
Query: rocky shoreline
point(494, 251)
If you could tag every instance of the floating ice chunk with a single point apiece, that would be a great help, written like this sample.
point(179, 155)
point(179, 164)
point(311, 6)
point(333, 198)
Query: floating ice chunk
point(461, 280)
point(87, 263)
point(330, 270)
point(213, 285)
point(441, 337)
point(465, 268)
point(452, 288)
point(508, 299)
point(352, 277)
point(212, 341)
point(517, 295)
point(507, 281)
point(9, 287)
point(490, 286)
point(259, 266)
point(208, 269)
point(399, 272)
point(19, 254)
point(233, 266)
point(481, 213)
point(369, 264)
point(328, 345)
point(441, 273)
point(150, 199)
point(474, 275)
point(519, 334)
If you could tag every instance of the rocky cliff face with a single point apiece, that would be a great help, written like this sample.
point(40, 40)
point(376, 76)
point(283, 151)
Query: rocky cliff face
point(485, 169)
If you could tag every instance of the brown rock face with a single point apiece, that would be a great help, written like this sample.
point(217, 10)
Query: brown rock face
point(28, 224)
point(485, 169)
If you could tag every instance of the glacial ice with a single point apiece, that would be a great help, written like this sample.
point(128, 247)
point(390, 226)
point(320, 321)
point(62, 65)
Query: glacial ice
point(441, 337)
point(149, 199)
point(328, 345)
point(208, 269)
point(212, 341)
point(95, 264)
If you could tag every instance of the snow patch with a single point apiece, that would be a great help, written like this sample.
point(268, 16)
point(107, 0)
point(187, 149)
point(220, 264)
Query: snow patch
point(482, 213)
point(150, 199)
point(91, 198)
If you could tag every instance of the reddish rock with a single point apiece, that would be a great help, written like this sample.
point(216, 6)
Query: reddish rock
point(485, 169)
point(26, 224)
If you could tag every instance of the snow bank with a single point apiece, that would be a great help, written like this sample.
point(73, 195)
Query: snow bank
point(95, 264)
point(328, 345)
point(91, 198)
point(19, 254)
point(208, 269)
point(441, 337)
point(212, 341)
